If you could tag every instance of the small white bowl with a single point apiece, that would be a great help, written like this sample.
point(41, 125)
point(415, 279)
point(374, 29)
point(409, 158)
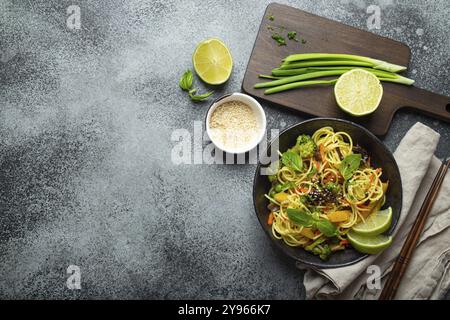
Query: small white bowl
point(260, 118)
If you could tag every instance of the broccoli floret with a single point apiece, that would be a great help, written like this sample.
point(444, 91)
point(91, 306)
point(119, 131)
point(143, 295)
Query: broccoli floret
point(323, 251)
point(326, 251)
point(315, 244)
point(305, 146)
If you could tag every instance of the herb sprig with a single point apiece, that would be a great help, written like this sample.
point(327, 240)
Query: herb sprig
point(200, 97)
point(307, 220)
point(186, 82)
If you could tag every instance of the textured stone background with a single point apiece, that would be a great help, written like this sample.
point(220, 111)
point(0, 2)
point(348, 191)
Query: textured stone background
point(85, 125)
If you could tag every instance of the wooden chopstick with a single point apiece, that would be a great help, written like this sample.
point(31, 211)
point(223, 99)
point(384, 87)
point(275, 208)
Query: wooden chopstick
point(401, 263)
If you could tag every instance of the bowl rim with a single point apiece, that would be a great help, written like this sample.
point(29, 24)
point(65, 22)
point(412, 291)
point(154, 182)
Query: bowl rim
point(281, 245)
point(258, 106)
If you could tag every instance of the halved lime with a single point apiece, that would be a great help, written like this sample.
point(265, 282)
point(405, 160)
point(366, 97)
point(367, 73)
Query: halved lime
point(212, 61)
point(377, 223)
point(370, 245)
point(358, 92)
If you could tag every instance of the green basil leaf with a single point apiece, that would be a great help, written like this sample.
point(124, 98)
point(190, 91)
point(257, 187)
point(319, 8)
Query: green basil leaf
point(349, 165)
point(186, 80)
point(300, 217)
point(292, 160)
point(326, 227)
point(199, 97)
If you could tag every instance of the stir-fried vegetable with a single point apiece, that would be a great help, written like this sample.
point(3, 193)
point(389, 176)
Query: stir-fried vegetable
point(305, 146)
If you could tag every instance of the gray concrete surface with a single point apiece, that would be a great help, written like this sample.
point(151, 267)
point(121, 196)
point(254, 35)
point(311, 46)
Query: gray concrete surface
point(86, 118)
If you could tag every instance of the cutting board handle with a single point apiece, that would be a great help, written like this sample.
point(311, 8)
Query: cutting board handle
point(427, 102)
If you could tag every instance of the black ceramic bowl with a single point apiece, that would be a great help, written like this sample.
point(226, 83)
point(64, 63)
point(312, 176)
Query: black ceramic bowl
point(380, 157)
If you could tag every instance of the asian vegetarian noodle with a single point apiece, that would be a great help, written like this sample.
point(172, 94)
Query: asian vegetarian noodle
point(322, 187)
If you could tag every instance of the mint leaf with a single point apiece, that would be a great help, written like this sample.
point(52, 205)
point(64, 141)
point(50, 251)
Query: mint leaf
point(349, 165)
point(292, 160)
point(300, 217)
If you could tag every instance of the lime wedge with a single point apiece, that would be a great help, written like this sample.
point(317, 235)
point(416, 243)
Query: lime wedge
point(377, 223)
point(358, 92)
point(212, 61)
point(370, 245)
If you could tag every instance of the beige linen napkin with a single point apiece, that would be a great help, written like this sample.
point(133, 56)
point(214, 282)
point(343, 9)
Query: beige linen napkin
point(428, 274)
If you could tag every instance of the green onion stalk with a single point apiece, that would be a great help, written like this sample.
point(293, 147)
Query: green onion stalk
point(282, 81)
point(297, 78)
point(313, 63)
point(299, 84)
point(301, 70)
point(292, 72)
point(349, 58)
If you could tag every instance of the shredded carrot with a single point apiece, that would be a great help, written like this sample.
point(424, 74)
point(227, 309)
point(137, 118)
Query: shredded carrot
point(343, 242)
point(316, 164)
point(378, 170)
point(270, 219)
point(322, 151)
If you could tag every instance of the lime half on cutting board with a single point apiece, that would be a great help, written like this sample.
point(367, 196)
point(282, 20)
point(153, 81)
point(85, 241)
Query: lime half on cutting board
point(358, 92)
point(212, 61)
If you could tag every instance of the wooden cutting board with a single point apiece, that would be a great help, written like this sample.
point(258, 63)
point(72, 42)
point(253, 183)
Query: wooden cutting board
point(324, 35)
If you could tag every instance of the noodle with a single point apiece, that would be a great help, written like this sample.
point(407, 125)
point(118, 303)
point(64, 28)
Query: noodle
point(320, 190)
